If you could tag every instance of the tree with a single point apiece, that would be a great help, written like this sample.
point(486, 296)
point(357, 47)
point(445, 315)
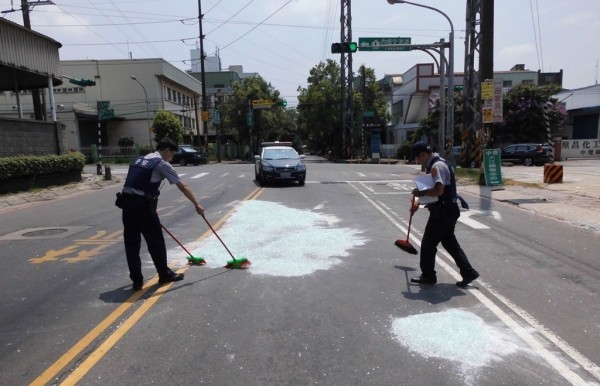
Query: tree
point(524, 114)
point(369, 98)
point(167, 125)
point(319, 116)
point(268, 124)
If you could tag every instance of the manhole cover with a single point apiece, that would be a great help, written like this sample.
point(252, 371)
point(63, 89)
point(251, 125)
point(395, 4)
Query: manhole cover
point(45, 232)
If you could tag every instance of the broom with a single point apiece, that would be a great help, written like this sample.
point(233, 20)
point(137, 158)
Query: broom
point(191, 259)
point(405, 245)
point(241, 263)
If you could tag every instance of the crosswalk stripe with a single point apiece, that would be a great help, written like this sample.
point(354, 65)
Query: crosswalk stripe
point(199, 175)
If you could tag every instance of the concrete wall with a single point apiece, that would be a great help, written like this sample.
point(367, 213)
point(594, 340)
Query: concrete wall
point(26, 137)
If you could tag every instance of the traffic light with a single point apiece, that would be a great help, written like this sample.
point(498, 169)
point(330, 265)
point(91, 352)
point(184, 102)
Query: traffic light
point(338, 48)
point(280, 103)
point(82, 82)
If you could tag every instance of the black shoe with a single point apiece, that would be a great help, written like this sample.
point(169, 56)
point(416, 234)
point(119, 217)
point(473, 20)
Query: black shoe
point(137, 285)
point(424, 280)
point(468, 278)
point(170, 278)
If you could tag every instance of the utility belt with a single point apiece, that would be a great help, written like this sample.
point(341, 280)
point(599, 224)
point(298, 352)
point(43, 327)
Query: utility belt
point(436, 204)
point(122, 198)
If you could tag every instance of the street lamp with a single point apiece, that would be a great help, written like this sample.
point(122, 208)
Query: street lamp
point(450, 115)
point(147, 108)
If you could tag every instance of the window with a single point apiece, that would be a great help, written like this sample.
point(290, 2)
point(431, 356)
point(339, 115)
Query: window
point(168, 93)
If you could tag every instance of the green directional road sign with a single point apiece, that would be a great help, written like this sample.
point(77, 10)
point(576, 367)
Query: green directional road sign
point(382, 44)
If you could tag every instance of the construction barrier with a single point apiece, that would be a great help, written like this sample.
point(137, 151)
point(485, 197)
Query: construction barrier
point(553, 173)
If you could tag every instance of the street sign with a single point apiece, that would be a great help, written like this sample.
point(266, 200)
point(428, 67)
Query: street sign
point(217, 117)
point(262, 103)
point(106, 114)
point(491, 94)
point(368, 114)
point(103, 110)
point(492, 167)
point(382, 44)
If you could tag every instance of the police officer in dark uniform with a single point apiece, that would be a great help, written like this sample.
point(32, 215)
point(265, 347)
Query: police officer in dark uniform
point(443, 215)
point(139, 200)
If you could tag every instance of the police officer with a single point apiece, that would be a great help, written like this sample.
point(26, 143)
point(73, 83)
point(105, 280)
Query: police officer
point(139, 200)
point(443, 214)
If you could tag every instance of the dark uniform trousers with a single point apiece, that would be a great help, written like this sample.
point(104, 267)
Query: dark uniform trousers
point(440, 228)
point(140, 218)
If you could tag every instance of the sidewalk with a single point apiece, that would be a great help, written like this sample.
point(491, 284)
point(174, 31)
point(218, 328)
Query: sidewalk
point(576, 200)
point(88, 182)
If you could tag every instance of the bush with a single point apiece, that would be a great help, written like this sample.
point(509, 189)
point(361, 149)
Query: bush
point(125, 142)
point(31, 166)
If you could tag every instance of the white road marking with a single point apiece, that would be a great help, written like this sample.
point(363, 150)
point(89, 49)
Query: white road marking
point(320, 206)
point(225, 175)
point(199, 175)
point(465, 218)
point(536, 344)
point(361, 174)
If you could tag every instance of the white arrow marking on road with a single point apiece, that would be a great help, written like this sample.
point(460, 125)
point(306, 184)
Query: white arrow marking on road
point(466, 219)
point(199, 175)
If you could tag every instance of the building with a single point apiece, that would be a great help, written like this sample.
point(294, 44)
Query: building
point(28, 61)
point(131, 91)
point(420, 89)
point(580, 136)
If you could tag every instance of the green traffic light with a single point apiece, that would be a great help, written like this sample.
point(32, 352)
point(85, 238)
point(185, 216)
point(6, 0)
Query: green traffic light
point(352, 46)
point(284, 103)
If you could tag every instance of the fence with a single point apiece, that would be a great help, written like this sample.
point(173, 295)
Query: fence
point(113, 154)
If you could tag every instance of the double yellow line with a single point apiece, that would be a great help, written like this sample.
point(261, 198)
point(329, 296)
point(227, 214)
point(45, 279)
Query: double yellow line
point(90, 361)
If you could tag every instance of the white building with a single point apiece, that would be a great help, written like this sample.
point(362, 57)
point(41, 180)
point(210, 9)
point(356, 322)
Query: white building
point(132, 103)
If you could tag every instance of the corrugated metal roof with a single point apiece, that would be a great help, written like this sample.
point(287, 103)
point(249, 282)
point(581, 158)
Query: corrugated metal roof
point(33, 56)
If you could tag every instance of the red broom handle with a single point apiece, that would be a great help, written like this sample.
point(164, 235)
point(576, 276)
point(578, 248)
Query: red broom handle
point(412, 204)
point(215, 232)
point(170, 234)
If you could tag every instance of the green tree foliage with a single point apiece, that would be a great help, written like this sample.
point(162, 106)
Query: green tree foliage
point(274, 124)
point(369, 97)
point(167, 125)
point(318, 104)
point(320, 114)
point(524, 119)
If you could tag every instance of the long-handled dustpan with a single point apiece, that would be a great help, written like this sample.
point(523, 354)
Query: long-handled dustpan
point(239, 263)
point(191, 259)
point(405, 245)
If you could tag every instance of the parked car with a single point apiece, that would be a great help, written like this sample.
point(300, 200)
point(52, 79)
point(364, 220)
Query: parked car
point(186, 154)
point(528, 154)
point(456, 152)
point(278, 161)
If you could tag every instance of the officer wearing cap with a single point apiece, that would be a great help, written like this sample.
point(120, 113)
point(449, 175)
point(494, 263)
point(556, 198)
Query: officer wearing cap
point(443, 215)
point(138, 200)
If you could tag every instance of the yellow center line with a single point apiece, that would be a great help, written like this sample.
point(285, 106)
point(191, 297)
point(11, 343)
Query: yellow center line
point(51, 372)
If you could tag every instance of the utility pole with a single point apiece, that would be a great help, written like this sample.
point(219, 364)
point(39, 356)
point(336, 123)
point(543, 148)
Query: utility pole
point(478, 43)
point(35, 93)
point(346, 92)
point(204, 112)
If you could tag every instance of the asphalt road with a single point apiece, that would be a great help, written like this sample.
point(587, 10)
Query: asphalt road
point(327, 299)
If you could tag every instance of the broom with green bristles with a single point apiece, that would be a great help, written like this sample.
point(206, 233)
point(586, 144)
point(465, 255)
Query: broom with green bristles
point(191, 259)
point(241, 263)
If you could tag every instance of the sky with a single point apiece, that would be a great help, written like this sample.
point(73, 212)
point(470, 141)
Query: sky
point(283, 40)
